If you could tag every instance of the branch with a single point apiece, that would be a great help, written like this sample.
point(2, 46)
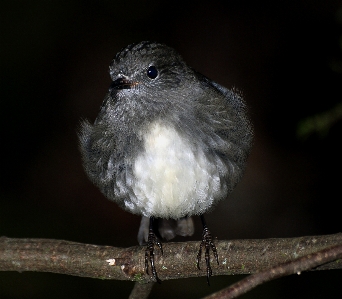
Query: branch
point(297, 266)
point(178, 261)
point(141, 290)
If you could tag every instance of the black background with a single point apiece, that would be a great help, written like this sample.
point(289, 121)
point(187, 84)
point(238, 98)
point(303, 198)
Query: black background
point(286, 58)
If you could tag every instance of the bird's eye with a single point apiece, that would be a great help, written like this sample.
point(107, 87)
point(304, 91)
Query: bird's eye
point(152, 72)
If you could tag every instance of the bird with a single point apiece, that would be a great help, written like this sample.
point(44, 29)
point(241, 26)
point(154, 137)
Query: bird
point(168, 144)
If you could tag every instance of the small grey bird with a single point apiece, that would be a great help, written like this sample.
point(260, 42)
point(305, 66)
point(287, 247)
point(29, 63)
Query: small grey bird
point(168, 144)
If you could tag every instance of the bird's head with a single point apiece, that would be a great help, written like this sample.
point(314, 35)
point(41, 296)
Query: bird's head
point(150, 69)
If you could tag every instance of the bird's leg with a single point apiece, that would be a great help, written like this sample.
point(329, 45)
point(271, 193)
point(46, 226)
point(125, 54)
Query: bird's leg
point(208, 243)
point(149, 252)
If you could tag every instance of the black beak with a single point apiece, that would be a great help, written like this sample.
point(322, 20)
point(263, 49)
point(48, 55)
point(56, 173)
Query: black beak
point(121, 83)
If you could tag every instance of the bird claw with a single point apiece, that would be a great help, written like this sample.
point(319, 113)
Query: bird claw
point(207, 243)
point(149, 253)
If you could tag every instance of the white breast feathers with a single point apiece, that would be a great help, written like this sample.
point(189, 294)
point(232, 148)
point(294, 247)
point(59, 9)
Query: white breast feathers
point(172, 178)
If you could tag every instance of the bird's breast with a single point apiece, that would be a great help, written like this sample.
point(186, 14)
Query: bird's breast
point(172, 177)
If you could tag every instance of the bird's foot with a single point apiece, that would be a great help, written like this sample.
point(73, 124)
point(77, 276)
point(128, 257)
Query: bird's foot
point(149, 253)
point(207, 243)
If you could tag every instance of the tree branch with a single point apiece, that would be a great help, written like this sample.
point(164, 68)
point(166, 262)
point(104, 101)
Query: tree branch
point(141, 290)
point(297, 266)
point(178, 261)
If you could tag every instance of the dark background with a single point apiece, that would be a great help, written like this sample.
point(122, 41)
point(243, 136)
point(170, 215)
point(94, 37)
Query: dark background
point(285, 56)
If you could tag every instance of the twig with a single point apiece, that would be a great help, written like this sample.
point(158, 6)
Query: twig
point(297, 266)
point(141, 290)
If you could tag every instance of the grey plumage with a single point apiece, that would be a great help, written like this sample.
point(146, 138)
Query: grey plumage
point(210, 119)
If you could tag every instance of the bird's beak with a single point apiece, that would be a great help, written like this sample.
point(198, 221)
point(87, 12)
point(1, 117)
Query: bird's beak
point(122, 83)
